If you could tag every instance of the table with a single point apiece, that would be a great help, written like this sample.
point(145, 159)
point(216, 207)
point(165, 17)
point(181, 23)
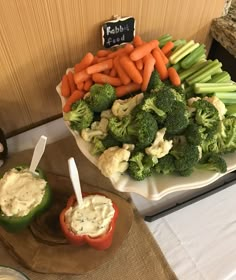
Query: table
point(198, 241)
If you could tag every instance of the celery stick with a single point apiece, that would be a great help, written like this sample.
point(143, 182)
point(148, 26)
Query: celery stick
point(186, 73)
point(220, 77)
point(214, 87)
point(182, 52)
point(202, 58)
point(231, 110)
point(227, 97)
point(192, 57)
point(186, 52)
point(206, 79)
point(164, 39)
point(210, 69)
point(180, 49)
point(179, 42)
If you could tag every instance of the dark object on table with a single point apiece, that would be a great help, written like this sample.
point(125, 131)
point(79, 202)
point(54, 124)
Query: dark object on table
point(3, 148)
point(217, 51)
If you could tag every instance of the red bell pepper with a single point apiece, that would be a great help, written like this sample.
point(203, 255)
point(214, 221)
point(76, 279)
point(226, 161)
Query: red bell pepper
point(101, 242)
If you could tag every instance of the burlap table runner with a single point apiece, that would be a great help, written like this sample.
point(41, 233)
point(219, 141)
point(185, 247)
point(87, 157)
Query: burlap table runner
point(138, 258)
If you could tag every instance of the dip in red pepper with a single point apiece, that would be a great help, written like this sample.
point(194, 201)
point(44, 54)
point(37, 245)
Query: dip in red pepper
point(92, 223)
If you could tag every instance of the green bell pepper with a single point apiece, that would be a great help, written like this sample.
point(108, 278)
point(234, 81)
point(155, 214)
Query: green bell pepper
point(18, 223)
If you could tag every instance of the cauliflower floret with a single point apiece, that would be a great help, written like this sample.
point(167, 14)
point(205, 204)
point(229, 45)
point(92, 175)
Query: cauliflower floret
point(190, 102)
point(219, 105)
point(113, 161)
point(160, 147)
point(200, 152)
point(122, 108)
point(87, 94)
point(107, 114)
point(88, 134)
point(101, 125)
point(192, 99)
point(98, 129)
point(128, 147)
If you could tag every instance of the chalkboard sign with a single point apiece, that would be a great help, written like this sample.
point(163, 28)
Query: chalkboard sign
point(117, 32)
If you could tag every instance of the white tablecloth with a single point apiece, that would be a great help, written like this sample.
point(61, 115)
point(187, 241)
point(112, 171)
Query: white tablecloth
point(198, 241)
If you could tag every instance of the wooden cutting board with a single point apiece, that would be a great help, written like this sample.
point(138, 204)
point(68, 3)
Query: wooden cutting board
point(42, 247)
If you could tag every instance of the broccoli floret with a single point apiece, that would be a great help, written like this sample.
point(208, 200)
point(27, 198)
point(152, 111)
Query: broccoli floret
point(118, 128)
point(210, 144)
point(101, 97)
point(142, 129)
point(179, 106)
point(223, 140)
point(149, 105)
point(206, 114)
point(140, 166)
point(228, 135)
point(213, 162)
point(155, 82)
point(186, 156)
point(80, 116)
point(100, 145)
point(177, 90)
point(186, 172)
point(194, 134)
point(165, 165)
point(178, 119)
point(165, 98)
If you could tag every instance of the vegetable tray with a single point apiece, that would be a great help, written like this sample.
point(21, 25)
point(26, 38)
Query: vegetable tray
point(158, 186)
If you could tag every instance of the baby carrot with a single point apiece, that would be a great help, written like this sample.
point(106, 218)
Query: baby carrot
point(127, 49)
point(160, 65)
point(143, 50)
point(130, 69)
point(85, 62)
point(149, 62)
point(167, 47)
point(126, 89)
point(72, 84)
point(80, 85)
point(95, 60)
point(65, 87)
point(163, 56)
point(100, 67)
point(81, 76)
point(139, 64)
point(120, 51)
point(107, 72)
point(88, 84)
point(113, 72)
point(102, 53)
point(101, 59)
point(125, 79)
point(174, 76)
point(168, 54)
point(105, 79)
point(137, 41)
point(76, 95)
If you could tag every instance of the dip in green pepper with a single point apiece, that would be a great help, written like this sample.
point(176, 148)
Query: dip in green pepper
point(23, 195)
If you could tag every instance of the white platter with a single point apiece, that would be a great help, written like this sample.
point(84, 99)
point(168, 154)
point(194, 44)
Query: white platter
point(156, 186)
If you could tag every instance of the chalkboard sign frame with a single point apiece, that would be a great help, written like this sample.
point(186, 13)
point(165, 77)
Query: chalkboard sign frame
point(118, 31)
